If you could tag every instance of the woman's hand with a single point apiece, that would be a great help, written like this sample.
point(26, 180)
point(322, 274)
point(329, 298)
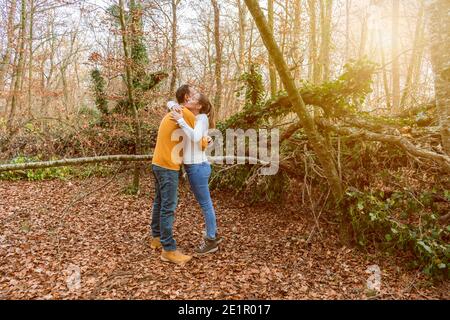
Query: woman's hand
point(177, 108)
point(176, 115)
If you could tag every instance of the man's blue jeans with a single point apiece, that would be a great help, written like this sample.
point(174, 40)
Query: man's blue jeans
point(198, 175)
point(164, 205)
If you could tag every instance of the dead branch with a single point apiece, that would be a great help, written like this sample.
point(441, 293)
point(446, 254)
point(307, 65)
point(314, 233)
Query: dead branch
point(397, 140)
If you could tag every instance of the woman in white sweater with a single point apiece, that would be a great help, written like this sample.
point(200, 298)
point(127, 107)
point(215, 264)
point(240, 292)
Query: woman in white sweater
point(196, 164)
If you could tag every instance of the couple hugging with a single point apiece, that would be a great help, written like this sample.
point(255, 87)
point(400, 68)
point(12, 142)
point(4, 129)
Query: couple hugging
point(189, 119)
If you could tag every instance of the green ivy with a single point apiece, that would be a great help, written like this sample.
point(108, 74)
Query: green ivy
point(376, 218)
point(99, 91)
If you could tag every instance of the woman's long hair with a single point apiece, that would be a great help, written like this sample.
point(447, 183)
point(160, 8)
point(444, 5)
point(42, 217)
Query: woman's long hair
point(208, 109)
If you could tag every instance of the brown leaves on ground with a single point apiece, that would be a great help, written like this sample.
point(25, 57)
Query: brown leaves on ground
point(45, 242)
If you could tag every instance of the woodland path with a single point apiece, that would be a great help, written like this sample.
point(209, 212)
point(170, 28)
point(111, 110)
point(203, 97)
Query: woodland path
point(265, 255)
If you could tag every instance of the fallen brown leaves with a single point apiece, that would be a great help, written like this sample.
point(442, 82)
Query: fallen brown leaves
point(105, 235)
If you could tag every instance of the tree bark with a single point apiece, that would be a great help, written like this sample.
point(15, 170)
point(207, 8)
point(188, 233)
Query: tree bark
point(363, 37)
point(129, 82)
point(20, 65)
point(218, 62)
point(272, 70)
point(317, 141)
point(347, 29)
point(297, 36)
point(326, 16)
point(395, 56)
point(173, 76)
point(439, 26)
point(385, 77)
point(30, 57)
point(414, 56)
point(242, 17)
point(314, 70)
point(9, 44)
point(113, 158)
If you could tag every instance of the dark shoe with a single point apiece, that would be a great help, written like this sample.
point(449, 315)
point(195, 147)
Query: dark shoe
point(218, 238)
point(208, 246)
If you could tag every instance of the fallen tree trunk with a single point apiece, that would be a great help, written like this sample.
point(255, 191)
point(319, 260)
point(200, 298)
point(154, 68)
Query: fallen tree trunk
point(114, 158)
point(73, 162)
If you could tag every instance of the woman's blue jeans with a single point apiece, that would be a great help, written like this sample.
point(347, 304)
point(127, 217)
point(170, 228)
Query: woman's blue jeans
point(198, 175)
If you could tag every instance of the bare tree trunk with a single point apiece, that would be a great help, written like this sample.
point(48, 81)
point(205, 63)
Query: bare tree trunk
point(20, 64)
point(63, 70)
point(242, 17)
point(385, 77)
point(347, 29)
point(439, 26)
point(113, 158)
point(314, 70)
point(129, 80)
point(73, 162)
point(30, 58)
point(317, 141)
point(326, 16)
point(363, 38)
point(297, 36)
point(173, 77)
point(419, 60)
point(208, 50)
point(285, 27)
point(9, 44)
point(272, 70)
point(218, 62)
point(414, 55)
point(395, 56)
point(250, 46)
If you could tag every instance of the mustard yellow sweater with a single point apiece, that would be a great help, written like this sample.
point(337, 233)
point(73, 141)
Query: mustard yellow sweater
point(162, 155)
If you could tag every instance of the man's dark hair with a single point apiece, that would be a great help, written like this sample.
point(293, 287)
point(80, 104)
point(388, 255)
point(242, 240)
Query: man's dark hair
point(182, 92)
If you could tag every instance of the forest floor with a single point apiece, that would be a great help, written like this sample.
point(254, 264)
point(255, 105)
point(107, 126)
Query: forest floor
point(51, 229)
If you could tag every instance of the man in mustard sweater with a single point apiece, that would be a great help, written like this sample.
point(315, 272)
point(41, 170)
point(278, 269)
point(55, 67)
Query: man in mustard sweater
point(166, 167)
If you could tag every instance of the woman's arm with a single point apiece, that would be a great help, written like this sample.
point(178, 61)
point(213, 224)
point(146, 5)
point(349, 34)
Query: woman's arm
point(172, 105)
point(195, 134)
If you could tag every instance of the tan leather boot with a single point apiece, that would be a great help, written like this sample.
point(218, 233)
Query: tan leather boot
point(175, 257)
point(155, 243)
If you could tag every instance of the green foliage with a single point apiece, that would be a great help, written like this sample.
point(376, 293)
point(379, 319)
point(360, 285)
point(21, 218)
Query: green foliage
point(114, 13)
point(253, 87)
point(139, 52)
point(35, 174)
point(99, 91)
point(62, 173)
point(401, 221)
point(245, 177)
point(341, 96)
point(130, 190)
point(232, 179)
